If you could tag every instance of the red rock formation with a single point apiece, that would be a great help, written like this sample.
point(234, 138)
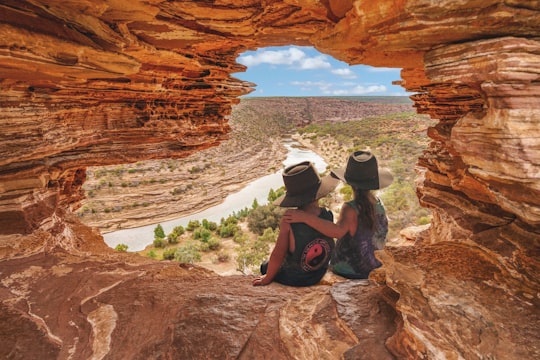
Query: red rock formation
point(482, 181)
point(104, 82)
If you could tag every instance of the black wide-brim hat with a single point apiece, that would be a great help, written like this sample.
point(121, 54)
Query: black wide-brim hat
point(303, 185)
point(362, 172)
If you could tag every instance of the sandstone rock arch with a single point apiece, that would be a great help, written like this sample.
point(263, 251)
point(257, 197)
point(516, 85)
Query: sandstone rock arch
point(102, 82)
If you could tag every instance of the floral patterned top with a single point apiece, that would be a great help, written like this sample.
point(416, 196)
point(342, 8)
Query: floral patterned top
point(353, 256)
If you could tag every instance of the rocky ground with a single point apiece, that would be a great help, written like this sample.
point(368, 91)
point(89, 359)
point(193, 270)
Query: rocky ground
point(122, 306)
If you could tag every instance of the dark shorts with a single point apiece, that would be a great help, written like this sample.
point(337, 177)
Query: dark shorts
point(293, 277)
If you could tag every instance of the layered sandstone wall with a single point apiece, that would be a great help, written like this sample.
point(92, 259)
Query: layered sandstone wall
point(481, 177)
point(87, 83)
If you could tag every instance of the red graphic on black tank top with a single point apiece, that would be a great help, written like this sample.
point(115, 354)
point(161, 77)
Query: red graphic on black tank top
point(315, 255)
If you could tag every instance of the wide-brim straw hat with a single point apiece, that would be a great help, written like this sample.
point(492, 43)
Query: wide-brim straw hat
point(303, 185)
point(362, 172)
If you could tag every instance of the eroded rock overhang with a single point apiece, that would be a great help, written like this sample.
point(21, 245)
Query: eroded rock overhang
point(96, 83)
point(87, 83)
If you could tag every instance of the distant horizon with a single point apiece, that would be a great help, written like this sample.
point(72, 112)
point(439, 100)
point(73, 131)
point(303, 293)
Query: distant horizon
point(296, 71)
point(399, 98)
point(332, 96)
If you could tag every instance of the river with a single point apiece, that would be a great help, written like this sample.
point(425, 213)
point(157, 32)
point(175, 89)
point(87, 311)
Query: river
point(138, 238)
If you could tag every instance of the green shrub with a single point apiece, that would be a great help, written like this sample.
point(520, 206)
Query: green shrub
point(325, 201)
point(158, 232)
point(210, 244)
point(251, 255)
point(169, 254)
point(121, 247)
point(202, 234)
point(269, 235)
point(227, 230)
point(401, 203)
point(210, 225)
point(172, 239)
point(192, 225)
point(240, 238)
point(254, 204)
point(188, 253)
point(178, 231)
point(152, 254)
point(159, 243)
point(273, 195)
point(229, 220)
point(265, 216)
point(241, 214)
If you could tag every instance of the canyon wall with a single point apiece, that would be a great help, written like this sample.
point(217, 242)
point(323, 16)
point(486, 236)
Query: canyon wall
point(87, 83)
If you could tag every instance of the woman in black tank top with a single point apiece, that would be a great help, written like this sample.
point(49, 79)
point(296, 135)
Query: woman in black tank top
point(301, 254)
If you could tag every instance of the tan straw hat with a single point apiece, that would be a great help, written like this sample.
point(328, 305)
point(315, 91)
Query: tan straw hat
point(304, 185)
point(363, 172)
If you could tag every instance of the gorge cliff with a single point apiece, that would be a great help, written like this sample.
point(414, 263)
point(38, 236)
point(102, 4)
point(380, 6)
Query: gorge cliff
point(86, 83)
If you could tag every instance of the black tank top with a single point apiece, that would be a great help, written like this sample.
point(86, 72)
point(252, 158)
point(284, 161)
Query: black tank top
point(309, 261)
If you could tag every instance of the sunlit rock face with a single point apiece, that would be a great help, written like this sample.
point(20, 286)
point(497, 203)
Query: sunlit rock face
point(103, 307)
point(476, 276)
point(88, 83)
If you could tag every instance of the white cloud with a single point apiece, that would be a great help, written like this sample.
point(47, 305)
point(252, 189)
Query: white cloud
point(280, 57)
point(338, 89)
point(344, 73)
point(318, 62)
point(359, 89)
point(310, 85)
point(292, 57)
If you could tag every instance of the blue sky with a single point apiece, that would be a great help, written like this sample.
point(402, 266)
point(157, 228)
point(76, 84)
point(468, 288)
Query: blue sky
point(303, 71)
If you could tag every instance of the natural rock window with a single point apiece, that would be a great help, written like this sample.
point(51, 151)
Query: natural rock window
point(114, 82)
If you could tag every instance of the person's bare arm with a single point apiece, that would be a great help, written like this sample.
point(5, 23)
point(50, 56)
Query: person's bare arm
point(277, 256)
point(347, 221)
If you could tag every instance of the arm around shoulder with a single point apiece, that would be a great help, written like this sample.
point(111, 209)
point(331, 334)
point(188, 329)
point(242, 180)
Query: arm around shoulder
point(323, 226)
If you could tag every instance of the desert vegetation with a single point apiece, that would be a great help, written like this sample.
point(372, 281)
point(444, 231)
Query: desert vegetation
point(243, 238)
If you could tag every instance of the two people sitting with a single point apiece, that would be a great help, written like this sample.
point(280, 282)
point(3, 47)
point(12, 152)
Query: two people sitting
point(305, 248)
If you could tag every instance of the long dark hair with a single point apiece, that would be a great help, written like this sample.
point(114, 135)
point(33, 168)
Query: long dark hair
point(365, 201)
